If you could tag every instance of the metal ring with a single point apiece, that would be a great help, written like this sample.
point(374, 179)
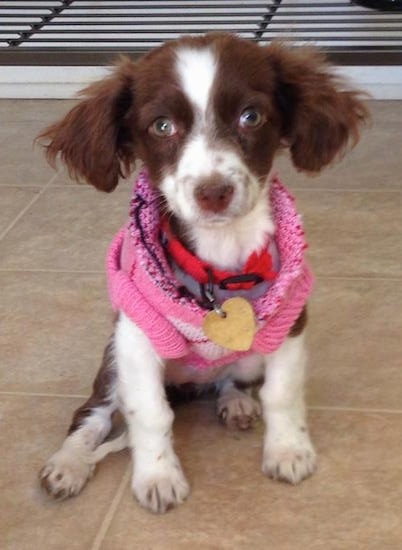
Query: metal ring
point(219, 311)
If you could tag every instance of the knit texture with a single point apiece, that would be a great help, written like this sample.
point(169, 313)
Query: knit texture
point(142, 284)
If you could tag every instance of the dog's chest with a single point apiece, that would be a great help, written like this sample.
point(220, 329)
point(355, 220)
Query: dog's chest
point(143, 286)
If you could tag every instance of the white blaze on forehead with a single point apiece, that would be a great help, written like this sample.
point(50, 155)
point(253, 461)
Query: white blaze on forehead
point(196, 69)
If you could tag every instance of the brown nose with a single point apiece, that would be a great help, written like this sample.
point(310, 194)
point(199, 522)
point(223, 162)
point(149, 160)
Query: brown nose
point(214, 197)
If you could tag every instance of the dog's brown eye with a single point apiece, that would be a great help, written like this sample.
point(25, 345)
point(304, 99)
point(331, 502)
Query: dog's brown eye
point(163, 127)
point(250, 118)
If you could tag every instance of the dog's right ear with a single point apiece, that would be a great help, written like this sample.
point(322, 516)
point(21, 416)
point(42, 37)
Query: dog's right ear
point(95, 140)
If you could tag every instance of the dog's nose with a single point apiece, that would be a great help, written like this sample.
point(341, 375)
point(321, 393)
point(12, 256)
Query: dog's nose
point(214, 197)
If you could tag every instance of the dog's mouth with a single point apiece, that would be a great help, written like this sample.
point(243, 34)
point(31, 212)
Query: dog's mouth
point(211, 219)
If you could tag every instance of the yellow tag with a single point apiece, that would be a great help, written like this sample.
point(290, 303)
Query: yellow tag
point(236, 330)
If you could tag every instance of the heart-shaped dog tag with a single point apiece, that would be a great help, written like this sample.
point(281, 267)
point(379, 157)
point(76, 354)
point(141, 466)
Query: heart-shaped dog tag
point(236, 329)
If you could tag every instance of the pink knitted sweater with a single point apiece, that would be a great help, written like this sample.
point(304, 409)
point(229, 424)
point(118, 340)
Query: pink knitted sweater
point(143, 285)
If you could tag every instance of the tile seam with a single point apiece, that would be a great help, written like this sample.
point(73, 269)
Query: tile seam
point(108, 518)
point(102, 272)
point(361, 410)
point(345, 190)
point(43, 394)
point(330, 408)
point(37, 186)
point(38, 270)
point(27, 207)
point(83, 186)
point(357, 278)
point(327, 408)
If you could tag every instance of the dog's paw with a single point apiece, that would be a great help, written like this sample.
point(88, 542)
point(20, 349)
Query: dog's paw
point(162, 487)
point(237, 410)
point(65, 474)
point(289, 463)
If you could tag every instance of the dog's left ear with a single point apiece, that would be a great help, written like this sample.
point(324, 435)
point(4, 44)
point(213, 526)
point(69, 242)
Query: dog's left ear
point(95, 140)
point(320, 117)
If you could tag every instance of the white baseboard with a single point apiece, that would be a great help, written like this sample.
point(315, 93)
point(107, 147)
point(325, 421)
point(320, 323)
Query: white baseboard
point(383, 82)
point(28, 82)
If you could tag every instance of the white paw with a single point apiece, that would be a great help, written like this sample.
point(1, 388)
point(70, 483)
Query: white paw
point(65, 473)
point(290, 463)
point(161, 486)
point(237, 410)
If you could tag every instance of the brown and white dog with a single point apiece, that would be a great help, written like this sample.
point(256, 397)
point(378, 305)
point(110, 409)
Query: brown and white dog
point(206, 115)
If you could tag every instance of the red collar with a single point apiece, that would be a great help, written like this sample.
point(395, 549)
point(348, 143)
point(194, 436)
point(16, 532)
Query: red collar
point(257, 268)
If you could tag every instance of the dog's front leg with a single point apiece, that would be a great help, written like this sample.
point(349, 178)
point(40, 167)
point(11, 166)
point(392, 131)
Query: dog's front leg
point(288, 452)
point(158, 481)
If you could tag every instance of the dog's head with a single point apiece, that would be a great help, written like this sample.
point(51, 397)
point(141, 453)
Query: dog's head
point(206, 115)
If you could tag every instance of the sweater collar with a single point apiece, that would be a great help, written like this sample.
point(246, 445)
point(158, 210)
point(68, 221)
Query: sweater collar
point(258, 267)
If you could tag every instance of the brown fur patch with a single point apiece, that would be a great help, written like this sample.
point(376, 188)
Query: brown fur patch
point(299, 324)
point(245, 79)
point(101, 388)
point(320, 115)
point(241, 385)
point(94, 140)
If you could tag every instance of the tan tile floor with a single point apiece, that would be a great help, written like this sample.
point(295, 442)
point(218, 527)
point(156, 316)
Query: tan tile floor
point(54, 319)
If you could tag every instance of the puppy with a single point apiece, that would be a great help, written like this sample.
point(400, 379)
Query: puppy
point(208, 277)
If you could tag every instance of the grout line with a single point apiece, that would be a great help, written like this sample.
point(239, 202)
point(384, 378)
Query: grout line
point(49, 270)
point(27, 207)
point(82, 185)
point(328, 408)
point(102, 272)
point(354, 409)
point(345, 190)
point(41, 394)
point(107, 520)
point(37, 186)
point(355, 278)
point(331, 408)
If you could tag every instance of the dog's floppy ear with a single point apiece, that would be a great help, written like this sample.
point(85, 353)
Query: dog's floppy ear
point(95, 139)
point(320, 117)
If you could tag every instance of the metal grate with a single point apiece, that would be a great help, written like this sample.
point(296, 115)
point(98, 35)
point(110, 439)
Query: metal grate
point(79, 32)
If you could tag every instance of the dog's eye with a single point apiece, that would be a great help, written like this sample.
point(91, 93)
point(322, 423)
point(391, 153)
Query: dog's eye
point(250, 118)
point(163, 127)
